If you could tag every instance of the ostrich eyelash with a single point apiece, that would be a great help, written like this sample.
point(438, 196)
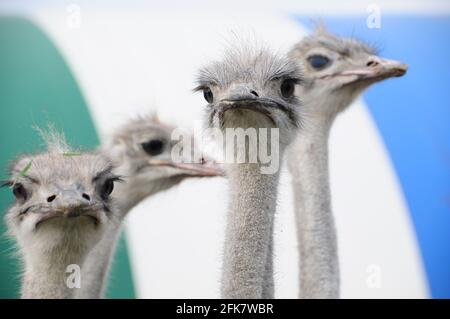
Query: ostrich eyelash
point(103, 173)
point(294, 80)
point(7, 183)
point(118, 179)
point(201, 88)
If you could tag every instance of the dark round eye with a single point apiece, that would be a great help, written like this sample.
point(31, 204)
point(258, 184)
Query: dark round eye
point(287, 88)
point(208, 95)
point(20, 192)
point(318, 62)
point(153, 147)
point(107, 188)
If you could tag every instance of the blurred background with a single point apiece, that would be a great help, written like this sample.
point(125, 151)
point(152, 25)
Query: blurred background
point(89, 66)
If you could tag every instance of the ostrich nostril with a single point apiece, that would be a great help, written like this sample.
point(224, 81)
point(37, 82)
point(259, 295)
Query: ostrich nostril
point(51, 198)
point(86, 196)
point(254, 93)
point(372, 63)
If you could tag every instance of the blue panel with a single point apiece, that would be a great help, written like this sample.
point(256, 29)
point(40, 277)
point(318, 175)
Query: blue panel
point(413, 116)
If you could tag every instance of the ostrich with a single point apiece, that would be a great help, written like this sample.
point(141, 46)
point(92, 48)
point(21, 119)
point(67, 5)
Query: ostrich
point(250, 89)
point(63, 207)
point(336, 71)
point(141, 149)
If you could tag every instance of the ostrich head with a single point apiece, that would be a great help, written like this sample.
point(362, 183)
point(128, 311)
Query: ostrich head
point(142, 151)
point(337, 70)
point(251, 88)
point(62, 199)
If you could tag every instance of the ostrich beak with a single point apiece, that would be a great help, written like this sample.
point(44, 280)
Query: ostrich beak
point(377, 69)
point(244, 97)
point(207, 168)
point(68, 203)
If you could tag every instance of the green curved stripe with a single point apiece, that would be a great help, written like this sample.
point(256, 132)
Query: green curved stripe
point(37, 87)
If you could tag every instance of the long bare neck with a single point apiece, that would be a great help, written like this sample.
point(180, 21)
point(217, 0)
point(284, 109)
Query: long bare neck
point(269, 282)
point(96, 267)
point(130, 193)
point(308, 164)
point(249, 227)
point(52, 275)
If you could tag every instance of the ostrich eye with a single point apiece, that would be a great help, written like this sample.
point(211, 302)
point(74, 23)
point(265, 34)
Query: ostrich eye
point(318, 62)
point(208, 95)
point(107, 188)
point(20, 192)
point(153, 147)
point(287, 88)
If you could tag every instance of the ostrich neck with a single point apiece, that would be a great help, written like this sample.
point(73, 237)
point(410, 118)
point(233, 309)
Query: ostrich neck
point(249, 229)
point(308, 164)
point(96, 267)
point(47, 276)
point(129, 194)
point(127, 197)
